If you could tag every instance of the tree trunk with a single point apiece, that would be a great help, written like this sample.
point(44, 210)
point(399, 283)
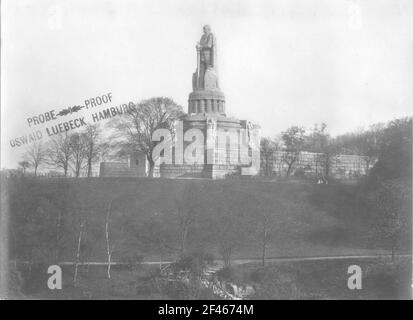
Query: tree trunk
point(78, 252)
point(264, 244)
point(290, 166)
point(151, 167)
point(267, 167)
point(151, 164)
point(289, 169)
point(183, 239)
point(58, 224)
point(89, 168)
point(327, 168)
point(226, 255)
point(89, 160)
point(109, 253)
point(108, 249)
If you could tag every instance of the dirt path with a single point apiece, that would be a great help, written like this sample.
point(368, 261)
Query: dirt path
point(317, 258)
point(251, 260)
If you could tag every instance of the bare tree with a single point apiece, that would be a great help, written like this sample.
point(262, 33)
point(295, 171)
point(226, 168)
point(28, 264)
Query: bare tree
point(78, 150)
point(393, 202)
point(320, 142)
point(230, 229)
point(186, 208)
point(293, 139)
point(93, 148)
point(35, 155)
point(105, 151)
point(136, 127)
point(267, 225)
point(79, 246)
point(109, 247)
point(59, 152)
point(24, 164)
point(326, 160)
point(119, 227)
point(268, 148)
point(363, 142)
point(229, 235)
point(371, 143)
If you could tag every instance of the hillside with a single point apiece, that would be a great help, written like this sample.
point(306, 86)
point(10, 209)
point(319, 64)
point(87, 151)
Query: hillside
point(310, 219)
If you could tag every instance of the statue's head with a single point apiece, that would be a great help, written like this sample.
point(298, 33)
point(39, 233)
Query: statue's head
point(207, 29)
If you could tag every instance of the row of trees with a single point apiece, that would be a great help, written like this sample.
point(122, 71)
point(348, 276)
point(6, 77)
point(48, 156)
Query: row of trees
point(131, 133)
point(293, 142)
point(368, 142)
point(133, 130)
point(68, 151)
point(389, 185)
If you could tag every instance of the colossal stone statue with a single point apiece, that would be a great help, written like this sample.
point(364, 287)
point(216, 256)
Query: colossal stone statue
point(206, 97)
point(205, 77)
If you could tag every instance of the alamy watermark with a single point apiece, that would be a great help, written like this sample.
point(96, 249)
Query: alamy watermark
point(231, 146)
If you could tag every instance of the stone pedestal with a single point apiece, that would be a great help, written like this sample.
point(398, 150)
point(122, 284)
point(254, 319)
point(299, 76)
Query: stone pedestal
point(206, 101)
point(226, 147)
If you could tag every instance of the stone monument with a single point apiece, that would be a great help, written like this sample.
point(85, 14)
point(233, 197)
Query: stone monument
point(227, 142)
point(206, 96)
point(225, 153)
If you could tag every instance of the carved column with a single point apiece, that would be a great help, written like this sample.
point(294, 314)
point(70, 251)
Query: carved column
point(202, 106)
point(208, 106)
point(210, 141)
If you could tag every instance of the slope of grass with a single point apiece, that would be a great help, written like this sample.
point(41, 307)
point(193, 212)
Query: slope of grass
point(380, 279)
point(310, 219)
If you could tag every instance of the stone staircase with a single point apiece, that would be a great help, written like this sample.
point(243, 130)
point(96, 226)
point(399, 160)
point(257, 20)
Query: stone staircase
point(225, 290)
point(211, 270)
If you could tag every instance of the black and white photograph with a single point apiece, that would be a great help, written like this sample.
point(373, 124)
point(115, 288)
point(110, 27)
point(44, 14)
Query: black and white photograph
point(213, 150)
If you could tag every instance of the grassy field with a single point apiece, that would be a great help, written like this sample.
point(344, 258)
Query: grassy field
point(308, 280)
point(311, 219)
point(381, 279)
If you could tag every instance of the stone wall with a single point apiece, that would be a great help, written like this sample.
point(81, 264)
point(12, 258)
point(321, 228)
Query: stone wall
point(184, 170)
point(314, 165)
point(117, 169)
point(216, 171)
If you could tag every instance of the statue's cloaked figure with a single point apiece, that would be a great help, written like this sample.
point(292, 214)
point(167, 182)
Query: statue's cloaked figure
point(205, 78)
point(207, 47)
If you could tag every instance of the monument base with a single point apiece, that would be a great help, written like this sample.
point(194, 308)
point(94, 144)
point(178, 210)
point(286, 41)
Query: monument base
point(226, 148)
point(206, 171)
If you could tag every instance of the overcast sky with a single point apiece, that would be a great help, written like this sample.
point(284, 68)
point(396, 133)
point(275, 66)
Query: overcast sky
point(281, 63)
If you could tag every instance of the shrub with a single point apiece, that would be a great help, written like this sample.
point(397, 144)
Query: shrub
point(16, 283)
point(226, 274)
point(194, 263)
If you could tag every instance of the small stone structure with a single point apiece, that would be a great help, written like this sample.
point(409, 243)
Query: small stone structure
point(136, 166)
